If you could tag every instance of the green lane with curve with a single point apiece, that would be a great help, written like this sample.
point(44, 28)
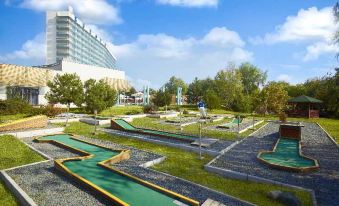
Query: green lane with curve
point(122, 187)
point(287, 154)
point(130, 127)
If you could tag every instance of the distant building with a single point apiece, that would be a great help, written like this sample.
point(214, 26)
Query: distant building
point(69, 39)
point(71, 48)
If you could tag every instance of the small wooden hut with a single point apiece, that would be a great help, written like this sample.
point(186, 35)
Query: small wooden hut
point(304, 106)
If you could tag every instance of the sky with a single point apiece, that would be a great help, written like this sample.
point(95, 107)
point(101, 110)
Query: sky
point(155, 39)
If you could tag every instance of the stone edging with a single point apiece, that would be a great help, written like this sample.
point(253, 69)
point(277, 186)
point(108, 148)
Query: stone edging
point(233, 145)
point(19, 194)
point(328, 135)
point(32, 133)
point(184, 147)
point(16, 190)
point(241, 131)
point(243, 176)
point(152, 162)
point(193, 183)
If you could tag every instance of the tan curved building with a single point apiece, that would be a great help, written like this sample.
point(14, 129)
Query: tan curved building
point(31, 82)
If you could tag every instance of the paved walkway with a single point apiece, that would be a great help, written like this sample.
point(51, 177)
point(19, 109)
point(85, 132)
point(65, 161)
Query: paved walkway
point(325, 182)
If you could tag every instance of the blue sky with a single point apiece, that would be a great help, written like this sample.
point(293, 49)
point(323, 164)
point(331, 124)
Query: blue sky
point(155, 39)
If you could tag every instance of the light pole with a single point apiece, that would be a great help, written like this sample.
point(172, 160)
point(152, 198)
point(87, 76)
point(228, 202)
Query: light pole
point(200, 140)
point(95, 121)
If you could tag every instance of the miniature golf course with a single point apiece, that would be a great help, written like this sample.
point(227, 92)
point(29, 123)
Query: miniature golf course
point(287, 155)
point(94, 170)
point(121, 124)
point(234, 122)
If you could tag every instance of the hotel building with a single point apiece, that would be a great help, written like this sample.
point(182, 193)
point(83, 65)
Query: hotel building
point(71, 48)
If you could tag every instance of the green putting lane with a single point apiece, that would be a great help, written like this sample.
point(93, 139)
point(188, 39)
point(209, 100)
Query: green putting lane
point(128, 126)
point(122, 187)
point(287, 154)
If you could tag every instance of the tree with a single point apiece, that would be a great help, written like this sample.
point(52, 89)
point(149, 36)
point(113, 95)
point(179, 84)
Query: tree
point(228, 86)
point(274, 97)
point(131, 91)
point(251, 77)
point(197, 89)
point(66, 89)
point(162, 98)
point(99, 95)
point(173, 84)
point(212, 100)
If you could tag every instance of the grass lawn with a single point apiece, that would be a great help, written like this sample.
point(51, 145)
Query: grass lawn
point(13, 153)
point(186, 165)
point(9, 118)
point(122, 110)
point(193, 129)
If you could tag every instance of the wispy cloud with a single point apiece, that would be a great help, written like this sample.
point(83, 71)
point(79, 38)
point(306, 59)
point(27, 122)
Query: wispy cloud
point(313, 26)
point(190, 3)
point(32, 50)
point(90, 11)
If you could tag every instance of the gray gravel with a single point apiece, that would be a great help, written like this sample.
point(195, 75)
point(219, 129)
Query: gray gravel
point(325, 182)
point(215, 147)
point(46, 186)
point(245, 124)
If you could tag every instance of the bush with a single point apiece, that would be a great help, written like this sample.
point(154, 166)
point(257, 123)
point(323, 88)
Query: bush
point(185, 112)
point(15, 106)
point(150, 108)
point(133, 112)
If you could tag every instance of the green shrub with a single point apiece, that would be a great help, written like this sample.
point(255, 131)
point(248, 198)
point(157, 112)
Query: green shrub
point(132, 112)
point(14, 106)
point(150, 108)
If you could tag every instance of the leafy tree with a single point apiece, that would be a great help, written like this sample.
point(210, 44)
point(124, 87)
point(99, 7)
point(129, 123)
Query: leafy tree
point(66, 89)
point(131, 91)
point(296, 90)
point(251, 77)
point(162, 98)
point(274, 97)
point(173, 83)
point(212, 99)
point(197, 89)
point(99, 95)
point(228, 86)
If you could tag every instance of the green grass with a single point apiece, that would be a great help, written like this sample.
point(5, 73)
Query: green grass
point(193, 129)
point(13, 153)
point(122, 110)
point(187, 165)
point(10, 118)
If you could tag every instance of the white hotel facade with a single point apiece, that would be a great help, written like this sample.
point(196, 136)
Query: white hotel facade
point(71, 48)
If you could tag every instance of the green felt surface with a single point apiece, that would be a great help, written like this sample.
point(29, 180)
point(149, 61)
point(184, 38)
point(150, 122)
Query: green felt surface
point(120, 186)
point(287, 154)
point(128, 126)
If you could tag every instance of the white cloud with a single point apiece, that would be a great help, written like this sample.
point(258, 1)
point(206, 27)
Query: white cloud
point(153, 54)
point(310, 24)
point(90, 11)
point(221, 36)
point(190, 3)
point(314, 27)
point(284, 77)
point(320, 48)
point(34, 49)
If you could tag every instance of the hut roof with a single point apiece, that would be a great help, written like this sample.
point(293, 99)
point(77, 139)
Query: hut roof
point(304, 99)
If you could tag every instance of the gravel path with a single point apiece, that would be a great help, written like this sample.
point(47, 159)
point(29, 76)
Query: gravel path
point(245, 124)
point(46, 186)
point(325, 182)
point(216, 147)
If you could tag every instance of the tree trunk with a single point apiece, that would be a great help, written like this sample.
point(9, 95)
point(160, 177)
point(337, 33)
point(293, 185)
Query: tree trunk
point(67, 117)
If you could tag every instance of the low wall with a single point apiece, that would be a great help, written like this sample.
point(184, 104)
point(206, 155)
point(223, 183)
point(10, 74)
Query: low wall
point(25, 123)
